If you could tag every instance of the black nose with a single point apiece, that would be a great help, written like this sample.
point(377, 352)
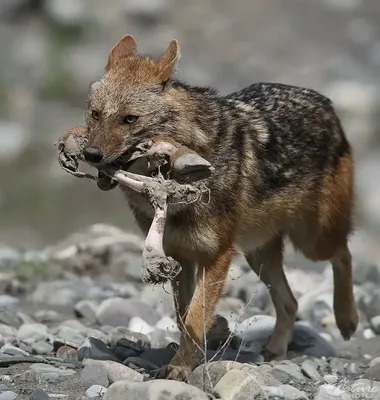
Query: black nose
point(92, 155)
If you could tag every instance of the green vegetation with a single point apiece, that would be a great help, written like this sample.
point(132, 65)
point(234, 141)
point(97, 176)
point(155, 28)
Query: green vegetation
point(36, 270)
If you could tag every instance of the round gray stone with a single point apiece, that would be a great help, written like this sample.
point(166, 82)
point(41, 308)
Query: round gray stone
point(8, 395)
point(117, 311)
point(95, 374)
point(159, 389)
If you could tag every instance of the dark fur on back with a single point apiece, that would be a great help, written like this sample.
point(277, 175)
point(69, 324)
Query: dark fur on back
point(264, 141)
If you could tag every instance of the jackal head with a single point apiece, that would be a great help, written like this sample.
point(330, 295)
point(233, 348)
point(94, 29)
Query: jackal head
point(130, 102)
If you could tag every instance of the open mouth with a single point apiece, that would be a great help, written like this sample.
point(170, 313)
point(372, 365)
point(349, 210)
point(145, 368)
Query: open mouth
point(164, 159)
point(124, 162)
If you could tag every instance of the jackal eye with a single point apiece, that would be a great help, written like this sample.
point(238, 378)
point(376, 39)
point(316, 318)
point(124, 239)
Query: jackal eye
point(130, 119)
point(95, 114)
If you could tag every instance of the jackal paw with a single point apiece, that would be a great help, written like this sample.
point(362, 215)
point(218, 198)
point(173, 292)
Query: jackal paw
point(178, 373)
point(270, 356)
point(347, 326)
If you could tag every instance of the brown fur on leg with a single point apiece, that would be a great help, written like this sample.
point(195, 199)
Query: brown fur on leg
point(346, 315)
point(323, 236)
point(267, 264)
point(183, 289)
point(211, 276)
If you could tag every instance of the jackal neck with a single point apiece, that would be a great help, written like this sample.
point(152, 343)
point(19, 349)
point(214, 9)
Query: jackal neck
point(200, 112)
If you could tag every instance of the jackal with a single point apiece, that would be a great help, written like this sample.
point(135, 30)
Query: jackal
point(283, 169)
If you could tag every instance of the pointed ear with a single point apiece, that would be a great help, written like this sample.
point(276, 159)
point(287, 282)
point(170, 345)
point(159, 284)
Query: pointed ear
point(125, 47)
point(168, 61)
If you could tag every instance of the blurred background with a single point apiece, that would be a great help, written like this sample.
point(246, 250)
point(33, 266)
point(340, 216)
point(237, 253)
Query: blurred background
point(51, 50)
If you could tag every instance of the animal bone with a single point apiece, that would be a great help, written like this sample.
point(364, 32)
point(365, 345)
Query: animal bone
point(186, 166)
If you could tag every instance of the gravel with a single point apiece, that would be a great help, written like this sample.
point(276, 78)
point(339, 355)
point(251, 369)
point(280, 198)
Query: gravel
point(109, 348)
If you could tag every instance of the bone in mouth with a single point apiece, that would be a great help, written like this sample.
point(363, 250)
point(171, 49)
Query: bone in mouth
point(185, 166)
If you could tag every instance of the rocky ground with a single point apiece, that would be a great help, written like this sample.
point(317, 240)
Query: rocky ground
point(77, 323)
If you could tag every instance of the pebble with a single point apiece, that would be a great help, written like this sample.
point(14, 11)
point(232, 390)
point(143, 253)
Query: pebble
point(9, 317)
point(49, 373)
point(340, 366)
point(72, 323)
point(68, 334)
point(167, 324)
point(44, 316)
point(67, 352)
point(95, 374)
point(86, 309)
point(137, 324)
point(374, 361)
point(119, 372)
point(13, 350)
point(7, 301)
point(25, 318)
point(375, 324)
point(131, 264)
point(8, 395)
point(238, 384)
point(215, 370)
point(31, 333)
point(160, 298)
point(366, 272)
point(292, 393)
point(8, 331)
point(306, 340)
point(126, 348)
point(119, 337)
point(373, 372)
point(95, 349)
point(42, 348)
point(3, 387)
point(231, 308)
point(249, 287)
point(369, 333)
point(330, 379)
point(125, 290)
point(95, 391)
point(309, 368)
point(39, 395)
point(115, 371)
point(8, 256)
point(365, 388)
point(331, 392)
point(59, 293)
point(273, 393)
point(95, 333)
point(322, 364)
point(118, 311)
point(159, 389)
point(160, 339)
point(122, 332)
point(288, 373)
point(369, 300)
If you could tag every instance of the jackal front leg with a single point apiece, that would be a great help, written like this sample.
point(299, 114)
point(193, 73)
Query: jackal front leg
point(211, 276)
